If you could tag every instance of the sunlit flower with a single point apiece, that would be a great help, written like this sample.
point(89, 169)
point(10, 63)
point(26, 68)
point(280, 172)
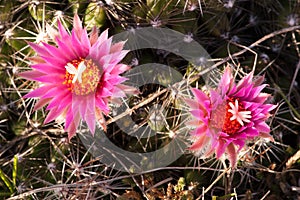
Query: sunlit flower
point(229, 115)
point(79, 76)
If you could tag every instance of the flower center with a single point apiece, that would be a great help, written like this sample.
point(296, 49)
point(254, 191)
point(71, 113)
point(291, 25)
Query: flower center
point(230, 116)
point(82, 76)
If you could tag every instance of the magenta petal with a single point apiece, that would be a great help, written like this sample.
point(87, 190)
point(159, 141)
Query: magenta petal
point(85, 40)
point(77, 26)
point(242, 135)
point(121, 90)
point(199, 143)
point(103, 37)
point(108, 85)
point(252, 106)
point(94, 36)
point(57, 53)
point(108, 66)
point(90, 115)
point(70, 116)
point(117, 47)
point(69, 51)
point(256, 91)
point(261, 98)
point(51, 93)
point(65, 102)
point(225, 82)
point(192, 103)
point(223, 135)
point(251, 132)
point(91, 102)
point(267, 136)
point(198, 113)
point(73, 126)
point(101, 50)
point(246, 81)
point(52, 78)
point(239, 143)
point(242, 93)
point(201, 129)
point(119, 68)
point(105, 77)
point(80, 51)
point(61, 89)
point(193, 123)
point(127, 89)
point(82, 108)
point(39, 91)
point(62, 31)
point(41, 103)
point(48, 69)
point(262, 127)
point(61, 100)
point(102, 105)
point(55, 62)
point(53, 114)
point(232, 155)
point(36, 60)
point(118, 92)
point(90, 119)
point(269, 107)
point(221, 147)
point(104, 92)
point(117, 57)
point(200, 96)
point(258, 80)
point(116, 80)
point(39, 49)
point(81, 102)
point(71, 130)
point(31, 75)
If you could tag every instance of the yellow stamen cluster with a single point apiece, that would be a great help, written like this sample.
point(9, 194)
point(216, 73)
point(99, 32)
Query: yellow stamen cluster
point(88, 79)
point(224, 119)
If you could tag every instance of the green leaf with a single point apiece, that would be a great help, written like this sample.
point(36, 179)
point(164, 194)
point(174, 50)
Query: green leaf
point(15, 39)
point(294, 110)
point(94, 16)
point(15, 168)
point(78, 6)
point(5, 194)
point(7, 181)
point(39, 11)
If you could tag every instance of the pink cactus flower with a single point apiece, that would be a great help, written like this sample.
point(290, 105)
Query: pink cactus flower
point(229, 115)
point(78, 75)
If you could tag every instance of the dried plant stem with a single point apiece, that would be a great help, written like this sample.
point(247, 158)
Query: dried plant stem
point(292, 160)
point(213, 183)
point(266, 37)
point(25, 134)
point(265, 195)
point(294, 78)
point(150, 98)
point(228, 182)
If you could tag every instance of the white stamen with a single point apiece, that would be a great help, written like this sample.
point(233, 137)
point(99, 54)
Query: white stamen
point(77, 72)
point(242, 116)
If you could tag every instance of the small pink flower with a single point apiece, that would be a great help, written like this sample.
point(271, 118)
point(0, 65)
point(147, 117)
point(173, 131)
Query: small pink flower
point(229, 115)
point(79, 76)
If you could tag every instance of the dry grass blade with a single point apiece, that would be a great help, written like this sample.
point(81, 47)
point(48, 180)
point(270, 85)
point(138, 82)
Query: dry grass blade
point(292, 160)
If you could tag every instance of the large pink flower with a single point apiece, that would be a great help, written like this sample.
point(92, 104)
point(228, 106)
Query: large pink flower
point(229, 115)
point(79, 75)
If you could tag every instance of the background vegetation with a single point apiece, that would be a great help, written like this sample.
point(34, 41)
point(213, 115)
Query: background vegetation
point(38, 162)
